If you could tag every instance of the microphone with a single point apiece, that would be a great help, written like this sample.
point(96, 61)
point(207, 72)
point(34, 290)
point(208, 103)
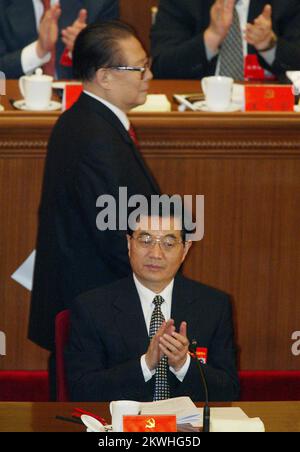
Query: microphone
point(206, 409)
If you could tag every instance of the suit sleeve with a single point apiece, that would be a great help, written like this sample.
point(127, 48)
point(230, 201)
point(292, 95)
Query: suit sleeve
point(109, 11)
point(10, 62)
point(90, 375)
point(178, 50)
point(97, 175)
point(220, 370)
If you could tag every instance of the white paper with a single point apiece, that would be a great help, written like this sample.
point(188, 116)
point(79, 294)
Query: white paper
point(182, 407)
point(154, 103)
point(24, 274)
point(232, 413)
point(234, 425)
point(294, 77)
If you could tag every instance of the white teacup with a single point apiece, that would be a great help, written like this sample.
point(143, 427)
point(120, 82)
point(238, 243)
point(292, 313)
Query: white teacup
point(119, 408)
point(218, 92)
point(36, 90)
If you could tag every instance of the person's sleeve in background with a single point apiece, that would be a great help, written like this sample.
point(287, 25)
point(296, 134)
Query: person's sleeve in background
point(30, 59)
point(109, 11)
point(176, 50)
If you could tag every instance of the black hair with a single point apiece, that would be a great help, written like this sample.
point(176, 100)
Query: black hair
point(97, 46)
point(156, 207)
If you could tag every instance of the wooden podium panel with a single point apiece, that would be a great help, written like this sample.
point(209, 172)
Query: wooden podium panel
point(138, 14)
point(248, 168)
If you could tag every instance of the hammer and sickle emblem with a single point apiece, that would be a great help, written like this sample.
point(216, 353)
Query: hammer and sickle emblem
point(150, 423)
point(270, 94)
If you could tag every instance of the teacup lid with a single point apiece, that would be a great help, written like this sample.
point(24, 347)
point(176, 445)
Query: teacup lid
point(39, 76)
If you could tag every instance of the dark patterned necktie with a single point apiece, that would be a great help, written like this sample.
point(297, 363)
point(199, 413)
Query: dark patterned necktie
point(162, 389)
point(231, 54)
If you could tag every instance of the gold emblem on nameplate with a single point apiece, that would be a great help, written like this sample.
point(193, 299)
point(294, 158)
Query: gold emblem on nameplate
point(150, 423)
point(269, 94)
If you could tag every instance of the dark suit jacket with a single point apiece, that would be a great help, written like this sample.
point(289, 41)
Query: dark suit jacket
point(178, 48)
point(18, 29)
point(89, 154)
point(109, 335)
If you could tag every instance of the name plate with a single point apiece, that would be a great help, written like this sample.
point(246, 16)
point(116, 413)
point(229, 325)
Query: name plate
point(269, 98)
point(157, 423)
point(254, 71)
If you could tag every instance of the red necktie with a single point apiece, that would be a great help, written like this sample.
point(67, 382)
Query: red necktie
point(133, 136)
point(49, 68)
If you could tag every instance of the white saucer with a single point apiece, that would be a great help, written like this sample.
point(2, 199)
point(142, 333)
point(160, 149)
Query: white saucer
point(21, 105)
point(297, 108)
point(1, 108)
point(201, 105)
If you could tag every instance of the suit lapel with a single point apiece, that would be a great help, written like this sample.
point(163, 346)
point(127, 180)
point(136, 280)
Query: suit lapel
point(20, 16)
point(182, 298)
point(130, 319)
point(110, 117)
point(138, 157)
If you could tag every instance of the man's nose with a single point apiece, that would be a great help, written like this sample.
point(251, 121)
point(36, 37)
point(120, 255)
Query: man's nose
point(148, 75)
point(156, 250)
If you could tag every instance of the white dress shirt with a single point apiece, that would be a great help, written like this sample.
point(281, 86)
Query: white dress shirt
point(29, 57)
point(242, 7)
point(119, 113)
point(146, 297)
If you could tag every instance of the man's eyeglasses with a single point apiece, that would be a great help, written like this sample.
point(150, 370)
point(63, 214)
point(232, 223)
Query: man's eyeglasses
point(141, 69)
point(167, 243)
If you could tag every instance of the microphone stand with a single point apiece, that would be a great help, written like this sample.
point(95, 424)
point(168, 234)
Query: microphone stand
point(206, 409)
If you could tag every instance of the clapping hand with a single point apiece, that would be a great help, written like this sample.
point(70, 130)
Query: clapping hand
point(260, 33)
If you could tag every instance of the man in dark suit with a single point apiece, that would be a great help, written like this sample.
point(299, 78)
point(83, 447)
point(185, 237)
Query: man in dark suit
point(90, 154)
point(189, 37)
point(29, 35)
point(130, 339)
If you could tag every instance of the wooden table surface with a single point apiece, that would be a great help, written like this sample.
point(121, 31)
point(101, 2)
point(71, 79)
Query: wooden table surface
point(168, 87)
point(40, 417)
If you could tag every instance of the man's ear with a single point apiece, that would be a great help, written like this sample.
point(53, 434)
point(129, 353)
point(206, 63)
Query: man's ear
point(103, 78)
point(187, 247)
point(128, 243)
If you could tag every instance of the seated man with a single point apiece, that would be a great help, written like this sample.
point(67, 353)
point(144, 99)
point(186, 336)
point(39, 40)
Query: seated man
point(36, 33)
point(130, 339)
point(196, 38)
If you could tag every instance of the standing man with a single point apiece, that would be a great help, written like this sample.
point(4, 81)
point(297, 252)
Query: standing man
point(196, 38)
point(36, 33)
point(130, 339)
point(91, 153)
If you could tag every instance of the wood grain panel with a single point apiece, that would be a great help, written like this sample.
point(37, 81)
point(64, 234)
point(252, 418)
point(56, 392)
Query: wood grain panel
point(138, 14)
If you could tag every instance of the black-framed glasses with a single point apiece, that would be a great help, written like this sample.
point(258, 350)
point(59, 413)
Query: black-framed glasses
point(167, 243)
point(141, 69)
